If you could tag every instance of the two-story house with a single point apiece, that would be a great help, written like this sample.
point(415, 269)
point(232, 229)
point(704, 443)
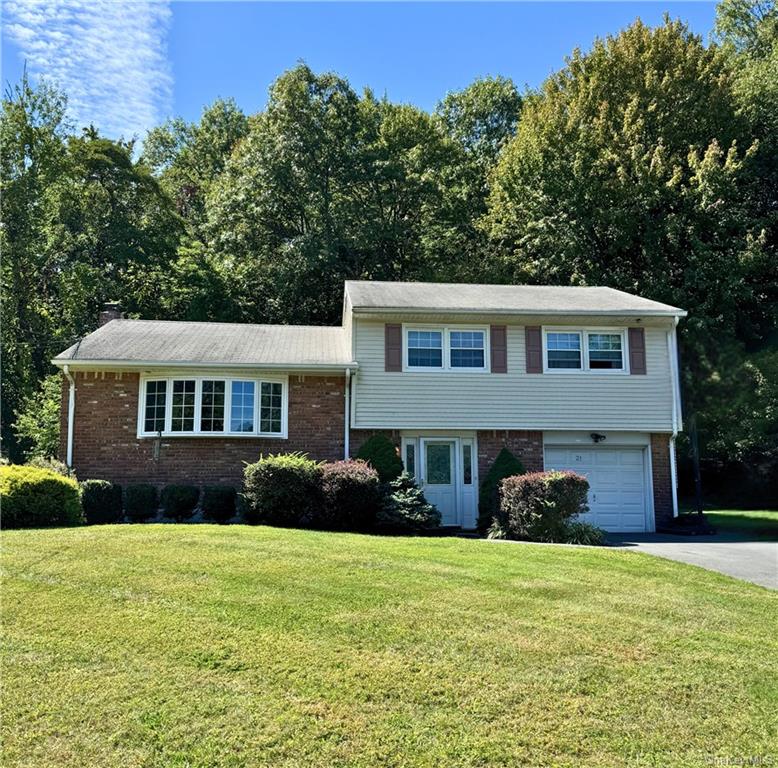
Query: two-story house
point(569, 378)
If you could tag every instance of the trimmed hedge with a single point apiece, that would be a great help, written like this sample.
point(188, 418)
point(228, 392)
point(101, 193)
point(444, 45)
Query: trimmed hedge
point(218, 503)
point(405, 507)
point(102, 501)
point(32, 498)
point(282, 489)
point(380, 453)
point(351, 496)
point(180, 501)
point(141, 502)
point(505, 465)
point(539, 505)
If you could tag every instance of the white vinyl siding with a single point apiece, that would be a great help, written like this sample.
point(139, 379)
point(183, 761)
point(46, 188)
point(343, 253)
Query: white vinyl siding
point(587, 400)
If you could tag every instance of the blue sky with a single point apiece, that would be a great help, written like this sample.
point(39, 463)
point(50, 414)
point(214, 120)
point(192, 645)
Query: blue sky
point(128, 65)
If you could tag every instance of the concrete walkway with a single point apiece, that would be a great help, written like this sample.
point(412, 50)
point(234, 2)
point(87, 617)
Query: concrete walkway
point(748, 559)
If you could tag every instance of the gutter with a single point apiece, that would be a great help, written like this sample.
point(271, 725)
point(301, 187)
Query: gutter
point(636, 313)
point(71, 415)
point(135, 364)
point(346, 416)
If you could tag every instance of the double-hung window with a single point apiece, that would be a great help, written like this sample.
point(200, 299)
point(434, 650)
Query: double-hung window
point(466, 349)
point(425, 349)
point(445, 349)
point(206, 406)
point(584, 350)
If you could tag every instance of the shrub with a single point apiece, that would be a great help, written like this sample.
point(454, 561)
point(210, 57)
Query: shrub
point(380, 453)
point(282, 489)
point(537, 506)
point(351, 495)
point(583, 533)
point(218, 503)
point(31, 497)
point(179, 501)
point(505, 465)
point(102, 501)
point(405, 507)
point(54, 465)
point(140, 502)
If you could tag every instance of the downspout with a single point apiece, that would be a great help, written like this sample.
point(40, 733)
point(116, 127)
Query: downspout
point(347, 416)
point(71, 415)
point(672, 349)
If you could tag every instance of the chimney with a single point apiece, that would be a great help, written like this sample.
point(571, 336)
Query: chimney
point(111, 311)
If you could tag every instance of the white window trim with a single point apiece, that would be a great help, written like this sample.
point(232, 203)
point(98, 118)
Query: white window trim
point(445, 330)
point(167, 433)
point(584, 334)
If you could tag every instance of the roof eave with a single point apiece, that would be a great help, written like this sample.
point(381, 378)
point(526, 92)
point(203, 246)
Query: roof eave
point(61, 362)
point(521, 312)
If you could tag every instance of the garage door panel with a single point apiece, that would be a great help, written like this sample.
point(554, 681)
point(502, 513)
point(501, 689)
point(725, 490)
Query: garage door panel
point(617, 493)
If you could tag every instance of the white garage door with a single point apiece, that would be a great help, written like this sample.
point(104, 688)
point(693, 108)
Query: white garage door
point(617, 484)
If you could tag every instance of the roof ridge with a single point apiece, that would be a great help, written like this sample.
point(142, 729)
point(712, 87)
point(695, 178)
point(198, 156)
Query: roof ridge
point(221, 323)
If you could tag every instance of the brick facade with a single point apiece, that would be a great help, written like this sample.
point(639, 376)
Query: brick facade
point(663, 489)
point(106, 445)
point(524, 444)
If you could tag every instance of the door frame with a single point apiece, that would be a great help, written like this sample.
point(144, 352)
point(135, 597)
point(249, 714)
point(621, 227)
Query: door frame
point(417, 439)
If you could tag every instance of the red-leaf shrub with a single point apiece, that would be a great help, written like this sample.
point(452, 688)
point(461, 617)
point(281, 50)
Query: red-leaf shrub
point(352, 496)
point(537, 506)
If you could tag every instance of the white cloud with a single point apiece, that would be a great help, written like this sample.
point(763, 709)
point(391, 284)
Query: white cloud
point(109, 56)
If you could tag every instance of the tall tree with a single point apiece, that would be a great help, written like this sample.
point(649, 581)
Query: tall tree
point(326, 186)
point(634, 167)
point(32, 131)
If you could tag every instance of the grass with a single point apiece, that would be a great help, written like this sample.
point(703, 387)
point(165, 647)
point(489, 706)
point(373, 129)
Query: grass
point(199, 645)
point(762, 523)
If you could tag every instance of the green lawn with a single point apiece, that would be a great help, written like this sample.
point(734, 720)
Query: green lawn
point(754, 522)
point(166, 645)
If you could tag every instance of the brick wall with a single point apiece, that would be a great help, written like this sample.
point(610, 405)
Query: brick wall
point(663, 492)
point(524, 444)
point(106, 445)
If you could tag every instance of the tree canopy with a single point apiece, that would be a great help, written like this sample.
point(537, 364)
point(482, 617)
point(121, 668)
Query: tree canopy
point(648, 163)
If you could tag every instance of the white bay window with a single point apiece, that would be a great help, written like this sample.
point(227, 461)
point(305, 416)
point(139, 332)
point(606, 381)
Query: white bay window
point(205, 406)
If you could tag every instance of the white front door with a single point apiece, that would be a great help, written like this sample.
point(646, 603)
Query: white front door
point(618, 496)
point(439, 476)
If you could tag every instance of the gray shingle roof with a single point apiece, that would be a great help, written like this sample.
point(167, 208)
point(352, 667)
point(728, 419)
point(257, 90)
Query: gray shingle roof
point(507, 299)
point(229, 344)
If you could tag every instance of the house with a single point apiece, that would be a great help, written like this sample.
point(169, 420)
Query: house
point(566, 377)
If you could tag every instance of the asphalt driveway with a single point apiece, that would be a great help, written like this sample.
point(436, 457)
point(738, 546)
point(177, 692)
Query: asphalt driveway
point(734, 555)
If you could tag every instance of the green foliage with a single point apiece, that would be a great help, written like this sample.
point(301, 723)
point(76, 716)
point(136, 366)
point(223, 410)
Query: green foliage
point(31, 497)
point(282, 489)
point(180, 501)
point(405, 507)
point(37, 422)
point(583, 533)
point(141, 502)
point(102, 501)
point(539, 505)
point(218, 503)
point(55, 465)
point(381, 454)
point(351, 495)
point(505, 465)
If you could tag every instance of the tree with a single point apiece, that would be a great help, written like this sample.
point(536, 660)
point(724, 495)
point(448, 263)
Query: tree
point(37, 423)
point(83, 222)
point(326, 186)
point(32, 131)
